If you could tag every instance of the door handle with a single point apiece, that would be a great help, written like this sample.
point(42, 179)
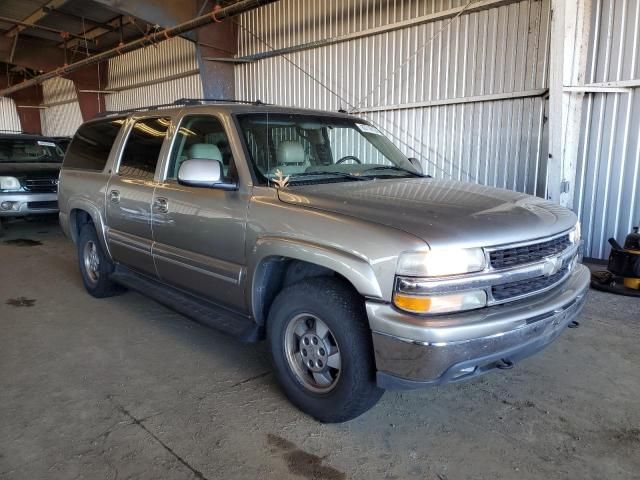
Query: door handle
point(161, 205)
point(114, 195)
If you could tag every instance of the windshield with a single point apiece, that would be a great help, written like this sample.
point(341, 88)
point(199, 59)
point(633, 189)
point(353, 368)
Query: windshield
point(314, 148)
point(23, 150)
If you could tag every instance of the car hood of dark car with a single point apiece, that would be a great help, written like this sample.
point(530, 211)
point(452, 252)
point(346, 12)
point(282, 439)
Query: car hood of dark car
point(444, 213)
point(30, 169)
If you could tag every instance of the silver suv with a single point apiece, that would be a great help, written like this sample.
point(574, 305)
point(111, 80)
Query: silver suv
point(312, 230)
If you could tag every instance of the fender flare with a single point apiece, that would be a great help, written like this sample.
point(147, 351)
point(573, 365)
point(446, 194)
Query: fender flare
point(96, 217)
point(355, 268)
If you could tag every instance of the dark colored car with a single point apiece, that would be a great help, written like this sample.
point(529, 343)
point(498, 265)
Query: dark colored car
point(63, 142)
point(29, 169)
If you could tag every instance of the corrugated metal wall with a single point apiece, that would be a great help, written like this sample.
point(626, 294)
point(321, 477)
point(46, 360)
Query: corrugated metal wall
point(154, 75)
point(607, 198)
point(9, 119)
point(448, 103)
point(62, 115)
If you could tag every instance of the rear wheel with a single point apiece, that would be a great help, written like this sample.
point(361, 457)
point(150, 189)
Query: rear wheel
point(95, 267)
point(321, 349)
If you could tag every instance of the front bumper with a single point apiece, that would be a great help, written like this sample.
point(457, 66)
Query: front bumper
point(24, 204)
point(412, 351)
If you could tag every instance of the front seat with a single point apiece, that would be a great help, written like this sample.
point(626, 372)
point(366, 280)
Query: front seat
point(201, 151)
point(290, 158)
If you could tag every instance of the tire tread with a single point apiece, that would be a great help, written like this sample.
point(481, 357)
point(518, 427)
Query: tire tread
point(360, 395)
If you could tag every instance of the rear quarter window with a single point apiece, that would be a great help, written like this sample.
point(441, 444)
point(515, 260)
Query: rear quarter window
point(91, 145)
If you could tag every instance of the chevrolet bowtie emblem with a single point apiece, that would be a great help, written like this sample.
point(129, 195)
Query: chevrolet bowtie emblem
point(551, 266)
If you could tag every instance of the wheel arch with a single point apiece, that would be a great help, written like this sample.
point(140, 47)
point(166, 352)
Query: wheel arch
point(81, 213)
point(278, 263)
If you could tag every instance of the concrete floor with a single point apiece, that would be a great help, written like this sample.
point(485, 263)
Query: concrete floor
point(125, 388)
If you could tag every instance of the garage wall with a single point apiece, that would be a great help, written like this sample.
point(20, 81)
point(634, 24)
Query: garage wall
point(9, 119)
point(154, 75)
point(607, 197)
point(62, 115)
point(470, 104)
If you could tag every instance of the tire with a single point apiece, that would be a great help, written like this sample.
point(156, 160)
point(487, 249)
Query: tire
point(297, 309)
point(95, 276)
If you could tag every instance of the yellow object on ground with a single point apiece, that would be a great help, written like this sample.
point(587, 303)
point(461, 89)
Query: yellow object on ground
point(632, 283)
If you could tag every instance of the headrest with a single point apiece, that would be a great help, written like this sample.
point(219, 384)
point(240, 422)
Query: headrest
point(290, 153)
point(205, 151)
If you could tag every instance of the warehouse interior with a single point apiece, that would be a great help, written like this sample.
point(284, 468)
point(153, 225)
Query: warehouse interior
point(538, 97)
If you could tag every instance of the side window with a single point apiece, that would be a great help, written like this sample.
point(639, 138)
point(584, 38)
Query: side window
point(91, 145)
point(201, 137)
point(141, 152)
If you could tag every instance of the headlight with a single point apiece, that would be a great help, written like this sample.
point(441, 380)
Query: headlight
point(9, 184)
point(441, 262)
point(453, 302)
point(575, 234)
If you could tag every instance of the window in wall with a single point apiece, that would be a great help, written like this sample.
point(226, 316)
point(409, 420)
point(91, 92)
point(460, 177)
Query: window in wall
point(141, 152)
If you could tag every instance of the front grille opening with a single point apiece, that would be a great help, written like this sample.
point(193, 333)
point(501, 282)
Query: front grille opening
point(511, 257)
point(41, 185)
point(525, 287)
point(50, 205)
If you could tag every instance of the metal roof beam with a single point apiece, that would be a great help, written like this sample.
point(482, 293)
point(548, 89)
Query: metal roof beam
point(150, 39)
point(163, 13)
point(30, 52)
point(39, 14)
point(94, 33)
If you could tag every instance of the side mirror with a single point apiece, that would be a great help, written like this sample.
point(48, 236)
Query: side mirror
point(203, 173)
point(416, 163)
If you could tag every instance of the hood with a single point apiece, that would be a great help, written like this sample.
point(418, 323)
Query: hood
point(443, 213)
point(31, 170)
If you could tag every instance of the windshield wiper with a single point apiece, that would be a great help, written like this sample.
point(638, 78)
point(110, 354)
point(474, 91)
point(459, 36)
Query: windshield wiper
point(394, 168)
point(335, 174)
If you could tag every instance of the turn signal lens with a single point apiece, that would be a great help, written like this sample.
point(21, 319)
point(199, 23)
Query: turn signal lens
point(432, 304)
point(411, 303)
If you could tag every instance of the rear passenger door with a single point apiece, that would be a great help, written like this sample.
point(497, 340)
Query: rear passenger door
point(130, 193)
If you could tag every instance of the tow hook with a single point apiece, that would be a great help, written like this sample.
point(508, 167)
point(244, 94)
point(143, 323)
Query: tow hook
point(574, 324)
point(504, 364)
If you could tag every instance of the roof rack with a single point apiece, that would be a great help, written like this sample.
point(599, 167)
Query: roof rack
point(11, 131)
point(196, 101)
point(181, 101)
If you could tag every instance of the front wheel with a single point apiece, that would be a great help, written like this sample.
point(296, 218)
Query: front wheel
point(321, 349)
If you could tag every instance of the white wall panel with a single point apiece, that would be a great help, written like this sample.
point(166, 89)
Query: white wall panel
point(62, 115)
point(154, 75)
point(161, 60)
point(607, 197)
point(9, 119)
point(156, 94)
point(61, 120)
point(470, 103)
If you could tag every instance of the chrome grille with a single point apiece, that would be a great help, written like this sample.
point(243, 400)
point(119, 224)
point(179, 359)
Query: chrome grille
point(41, 185)
point(514, 256)
point(525, 287)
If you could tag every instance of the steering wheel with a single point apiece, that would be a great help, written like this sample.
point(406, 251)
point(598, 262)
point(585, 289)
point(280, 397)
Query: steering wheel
point(349, 157)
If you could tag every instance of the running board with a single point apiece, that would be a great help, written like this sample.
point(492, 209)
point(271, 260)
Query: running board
point(239, 326)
